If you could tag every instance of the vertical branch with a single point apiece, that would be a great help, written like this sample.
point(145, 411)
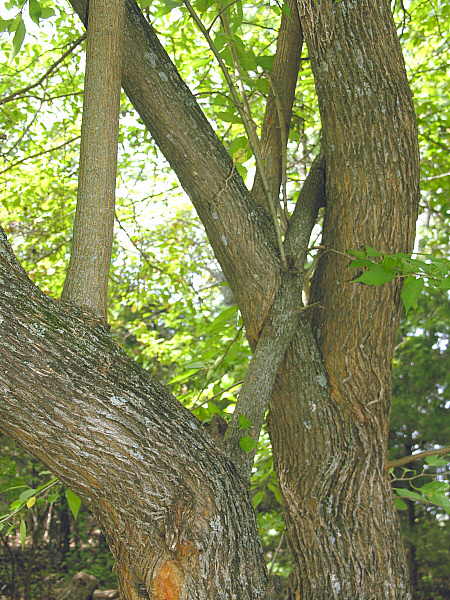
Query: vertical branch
point(277, 118)
point(87, 278)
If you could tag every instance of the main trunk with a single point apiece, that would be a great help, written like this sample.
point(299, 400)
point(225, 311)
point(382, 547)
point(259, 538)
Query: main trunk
point(329, 417)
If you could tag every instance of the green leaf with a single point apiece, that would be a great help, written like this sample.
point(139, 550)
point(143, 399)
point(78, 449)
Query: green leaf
point(247, 443)
point(258, 497)
point(372, 252)
point(436, 461)
point(246, 56)
point(34, 8)
point(444, 284)
point(357, 253)
point(73, 501)
point(265, 62)
point(5, 24)
point(244, 423)
point(360, 263)
point(213, 409)
point(409, 494)
point(221, 39)
point(196, 365)
point(53, 496)
point(26, 494)
point(169, 5)
point(46, 12)
point(222, 318)
point(238, 143)
point(434, 487)
point(262, 85)
point(22, 533)
point(183, 376)
point(229, 116)
point(376, 275)
point(442, 501)
point(411, 290)
point(19, 36)
point(400, 504)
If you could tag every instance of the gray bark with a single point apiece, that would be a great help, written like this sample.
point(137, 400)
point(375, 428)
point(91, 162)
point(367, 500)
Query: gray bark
point(174, 510)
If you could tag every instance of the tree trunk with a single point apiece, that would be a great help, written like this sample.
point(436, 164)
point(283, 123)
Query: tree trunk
point(176, 514)
point(330, 443)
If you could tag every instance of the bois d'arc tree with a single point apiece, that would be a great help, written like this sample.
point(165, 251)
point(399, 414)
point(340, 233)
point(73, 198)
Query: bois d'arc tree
point(172, 501)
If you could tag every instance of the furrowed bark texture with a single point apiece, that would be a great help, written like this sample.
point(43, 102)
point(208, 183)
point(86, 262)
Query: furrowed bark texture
point(174, 509)
point(86, 283)
point(281, 324)
point(342, 525)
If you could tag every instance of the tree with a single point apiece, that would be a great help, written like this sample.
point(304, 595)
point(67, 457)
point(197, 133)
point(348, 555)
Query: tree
point(173, 505)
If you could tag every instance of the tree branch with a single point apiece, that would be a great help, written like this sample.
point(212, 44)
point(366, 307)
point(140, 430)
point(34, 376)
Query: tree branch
point(405, 460)
point(279, 328)
point(86, 282)
point(43, 77)
point(41, 153)
point(141, 461)
point(283, 78)
point(310, 199)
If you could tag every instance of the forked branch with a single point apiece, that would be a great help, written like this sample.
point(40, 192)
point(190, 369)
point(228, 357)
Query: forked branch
point(278, 330)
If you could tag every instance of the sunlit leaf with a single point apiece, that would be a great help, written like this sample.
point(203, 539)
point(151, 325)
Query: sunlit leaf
point(247, 443)
point(411, 290)
point(74, 502)
point(376, 275)
point(18, 38)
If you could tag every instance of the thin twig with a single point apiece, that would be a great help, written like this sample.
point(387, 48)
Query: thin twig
point(217, 395)
point(19, 162)
point(414, 457)
point(46, 74)
point(278, 548)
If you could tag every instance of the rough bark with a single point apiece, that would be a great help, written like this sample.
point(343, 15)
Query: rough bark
point(86, 283)
point(342, 526)
point(280, 325)
point(175, 512)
